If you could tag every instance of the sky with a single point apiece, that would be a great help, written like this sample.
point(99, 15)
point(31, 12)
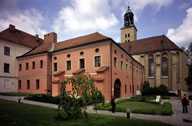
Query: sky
point(73, 18)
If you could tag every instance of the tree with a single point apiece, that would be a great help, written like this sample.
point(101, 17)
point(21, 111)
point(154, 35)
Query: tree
point(74, 101)
point(189, 54)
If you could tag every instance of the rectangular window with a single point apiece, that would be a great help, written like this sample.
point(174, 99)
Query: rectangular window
point(6, 51)
point(55, 67)
point(151, 68)
point(19, 84)
point(69, 65)
point(97, 61)
point(28, 84)
point(122, 65)
point(33, 65)
point(20, 67)
point(37, 84)
point(115, 62)
point(82, 63)
point(6, 67)
point(41, 63)
point(126, 67)
point(125, 89)
point(27, 66)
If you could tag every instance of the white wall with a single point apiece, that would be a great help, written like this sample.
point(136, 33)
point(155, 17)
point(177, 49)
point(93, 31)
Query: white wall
point(11, 77)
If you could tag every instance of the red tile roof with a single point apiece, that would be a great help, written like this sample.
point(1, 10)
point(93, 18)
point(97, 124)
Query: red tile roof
point(102, 69)
point(149, 45)
point(82, 40)
point(20, 37)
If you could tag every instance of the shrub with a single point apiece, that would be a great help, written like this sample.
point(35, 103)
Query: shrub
point(43, 98)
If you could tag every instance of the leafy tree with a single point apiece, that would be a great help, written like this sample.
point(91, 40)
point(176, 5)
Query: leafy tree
point(73, 103)
point(189, 54)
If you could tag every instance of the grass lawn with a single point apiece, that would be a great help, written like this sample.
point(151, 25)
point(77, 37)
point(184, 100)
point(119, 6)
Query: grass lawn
point(19, 114)
point(136, 106)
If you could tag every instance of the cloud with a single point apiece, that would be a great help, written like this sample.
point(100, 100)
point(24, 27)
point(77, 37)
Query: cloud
point(83, 16)
point(29, 20)
point(182, 35)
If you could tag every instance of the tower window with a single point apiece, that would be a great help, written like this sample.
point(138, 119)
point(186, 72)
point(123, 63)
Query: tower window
point(115, 62)
point(125, 35)
point(122, 65)
point(128, 35)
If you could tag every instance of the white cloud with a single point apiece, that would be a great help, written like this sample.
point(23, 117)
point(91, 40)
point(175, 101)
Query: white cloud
point(83, 16)
point(30, 20)
point(183, 34)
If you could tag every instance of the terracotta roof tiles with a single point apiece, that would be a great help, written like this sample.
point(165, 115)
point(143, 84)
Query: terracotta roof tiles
point(149, 45)
point(20, 37)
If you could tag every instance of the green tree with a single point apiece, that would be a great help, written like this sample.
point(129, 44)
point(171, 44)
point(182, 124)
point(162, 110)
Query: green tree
point(73, 103)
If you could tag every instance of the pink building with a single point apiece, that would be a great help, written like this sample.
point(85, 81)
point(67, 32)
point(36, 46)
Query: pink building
point(46, 66)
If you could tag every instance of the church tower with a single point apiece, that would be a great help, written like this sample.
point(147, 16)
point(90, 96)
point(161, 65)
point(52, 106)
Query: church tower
point(129, 31)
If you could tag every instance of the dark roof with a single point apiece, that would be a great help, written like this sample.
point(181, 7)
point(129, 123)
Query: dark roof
point(150, 45)
point(19, 37)
point(82, 40)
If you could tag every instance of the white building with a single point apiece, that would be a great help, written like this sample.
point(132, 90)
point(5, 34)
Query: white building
point(13, 43)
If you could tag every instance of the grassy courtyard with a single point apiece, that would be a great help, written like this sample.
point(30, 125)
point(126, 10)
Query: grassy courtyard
point(19, 114)
point(136, 106)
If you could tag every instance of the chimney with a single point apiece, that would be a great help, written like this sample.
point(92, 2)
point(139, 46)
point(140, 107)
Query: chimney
point(12, 27)
point(36, 37)
point(50, 38)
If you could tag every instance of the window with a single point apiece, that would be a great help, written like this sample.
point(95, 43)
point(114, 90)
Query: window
point(33, 65)
point(115, 62)
point(41, 63)
point(19, 84)
point(6, 67)
point(97, 50)
point(164, 66)
point(28, 84)
point(37, 84)
point(55, 58)
point(97, 61)
point(115, 51)
point(122, 65)
point(126, 67)
point(81, 53)
point(125, 35)
point(55, 67)
point(68, 55)
point(27, 66)
point(6, 51)
point(82, 64)
point(128, 40)
point(151, 67)
point(125, 89)
point(122, 56)
point(69, 65)
point(128, 35)
point(20, 67)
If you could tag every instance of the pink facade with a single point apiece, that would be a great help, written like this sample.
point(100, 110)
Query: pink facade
point(96, 59)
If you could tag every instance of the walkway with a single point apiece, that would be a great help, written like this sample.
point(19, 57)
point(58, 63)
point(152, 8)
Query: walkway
point(176, 119)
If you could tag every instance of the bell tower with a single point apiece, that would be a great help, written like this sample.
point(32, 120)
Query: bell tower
point(129, 31)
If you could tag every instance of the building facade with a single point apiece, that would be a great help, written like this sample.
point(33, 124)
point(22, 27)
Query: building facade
point(115, 71)
point(11, 46)
point(164, 62)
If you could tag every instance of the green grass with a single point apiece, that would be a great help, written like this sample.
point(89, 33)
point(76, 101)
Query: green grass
point(19, 114)
point(14, 94)
point(136, 106)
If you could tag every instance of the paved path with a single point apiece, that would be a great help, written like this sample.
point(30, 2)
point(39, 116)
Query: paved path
point(176, 119)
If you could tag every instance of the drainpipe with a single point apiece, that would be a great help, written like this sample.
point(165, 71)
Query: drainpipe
point(111, 66)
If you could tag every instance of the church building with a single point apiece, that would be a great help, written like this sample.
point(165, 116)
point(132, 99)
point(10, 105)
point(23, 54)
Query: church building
point(164, 62)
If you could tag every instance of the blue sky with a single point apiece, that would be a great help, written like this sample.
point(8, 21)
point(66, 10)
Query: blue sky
point(73, 18)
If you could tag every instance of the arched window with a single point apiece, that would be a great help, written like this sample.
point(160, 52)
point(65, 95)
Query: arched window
point(164, 66)
point(151, 66)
